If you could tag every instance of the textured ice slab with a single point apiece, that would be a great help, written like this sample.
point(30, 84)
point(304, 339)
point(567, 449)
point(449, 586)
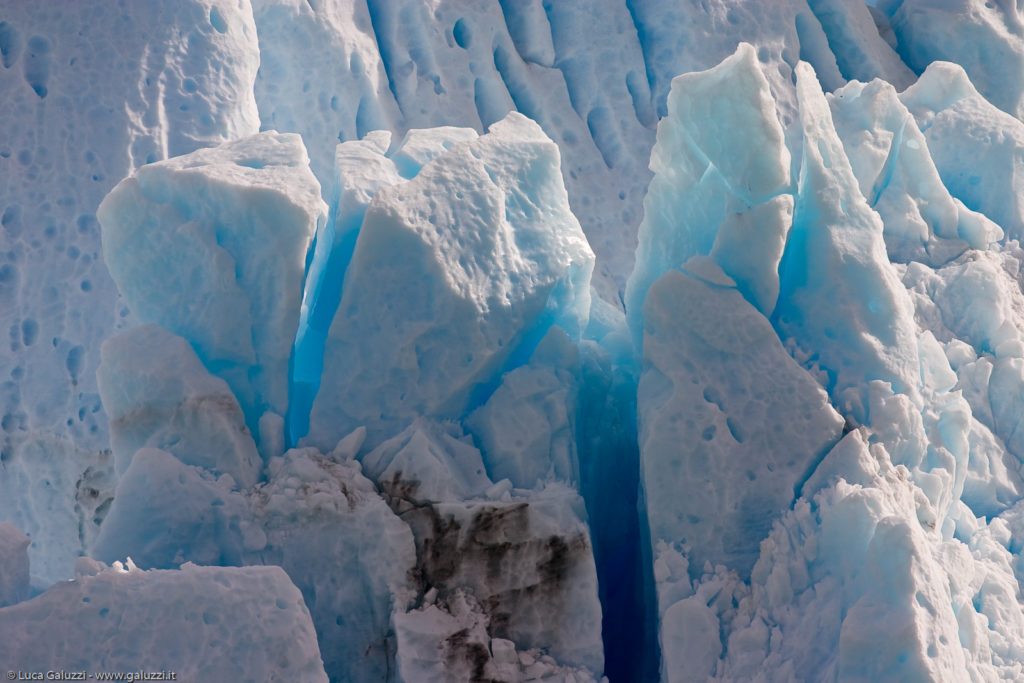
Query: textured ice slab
point(840, 299)
point(975, 146)
point(14, 577)
point(721, 166)
point(91, 93)
point(455, 273)
point(227, 622)
point(157, 394)
point(317, 518)
point(726, 416)
point(895, 173)
point(337, 92)
point(212, 246)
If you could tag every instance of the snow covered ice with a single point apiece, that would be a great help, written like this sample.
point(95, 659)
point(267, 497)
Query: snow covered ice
point(184, 620)
point(353, 340)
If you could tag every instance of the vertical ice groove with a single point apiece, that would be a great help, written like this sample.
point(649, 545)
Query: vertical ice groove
point(381, 22)
point(360, 169)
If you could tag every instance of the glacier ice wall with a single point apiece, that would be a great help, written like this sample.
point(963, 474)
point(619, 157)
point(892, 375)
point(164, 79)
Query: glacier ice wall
point(638, 339)
point(83, 108)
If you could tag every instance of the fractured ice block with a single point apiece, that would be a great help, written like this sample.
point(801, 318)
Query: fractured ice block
point(361, 169)
point(526, 559)
point(449, 640)
point(721, 174)
point(430, 463)
point(840, 299)
point(889, 157)
point(975, 146)
point(455, 274)
point(212, 246)
point(527, 428)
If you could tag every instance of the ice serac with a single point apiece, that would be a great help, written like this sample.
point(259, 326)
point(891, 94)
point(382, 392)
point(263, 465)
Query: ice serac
point(232, 623)
point(431, 463)
point(690, 36)
point(91, 93)
point(316, 517)
point(976, 147)
point(841, 303)
point(456, 274)
point(157, 394)
point(713, 369)
point(212, 246)
point(721, 168)
point(895, 172)
point(14, 576)
point(361, 169)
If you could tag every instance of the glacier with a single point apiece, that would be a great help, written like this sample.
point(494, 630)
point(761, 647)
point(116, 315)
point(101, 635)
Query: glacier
point(392, 340)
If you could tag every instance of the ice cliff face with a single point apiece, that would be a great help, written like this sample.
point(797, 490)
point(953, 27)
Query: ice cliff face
point(513, 341)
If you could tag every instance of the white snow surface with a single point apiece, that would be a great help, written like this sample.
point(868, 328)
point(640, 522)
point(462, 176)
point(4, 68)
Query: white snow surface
point(184, 621)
